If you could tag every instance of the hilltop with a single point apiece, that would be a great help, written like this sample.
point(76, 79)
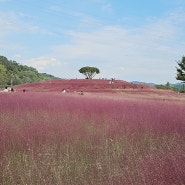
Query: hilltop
point(100, 87)
point(72, 85)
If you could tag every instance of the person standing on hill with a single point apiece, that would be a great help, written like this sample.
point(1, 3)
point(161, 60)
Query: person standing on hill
point(6, 89)
point(63, 91)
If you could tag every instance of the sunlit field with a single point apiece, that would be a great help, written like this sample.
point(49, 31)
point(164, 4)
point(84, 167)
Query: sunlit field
point(117, 139)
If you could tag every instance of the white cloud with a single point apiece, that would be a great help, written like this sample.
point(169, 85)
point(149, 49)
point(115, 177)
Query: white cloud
point(8, 23)
point(149, 51)
point(90, 22)
point(122, 68)
point(107, 7)
point(43, 63)
point(17, 56)
point(98, 44)
point(129, 53)
point(12, 23)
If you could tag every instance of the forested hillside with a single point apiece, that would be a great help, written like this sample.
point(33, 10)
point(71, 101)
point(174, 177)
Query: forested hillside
point(16, 73)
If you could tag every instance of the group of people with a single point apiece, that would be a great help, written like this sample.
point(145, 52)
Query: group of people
point(11, 89)
point(66, 91)
point(8, 89)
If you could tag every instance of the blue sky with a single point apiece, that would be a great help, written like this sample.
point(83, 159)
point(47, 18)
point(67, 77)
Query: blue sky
point(126, 39)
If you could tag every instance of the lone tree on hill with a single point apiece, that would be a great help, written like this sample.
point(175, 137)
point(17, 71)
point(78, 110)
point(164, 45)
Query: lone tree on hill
point(89, 72)
point(181, 70)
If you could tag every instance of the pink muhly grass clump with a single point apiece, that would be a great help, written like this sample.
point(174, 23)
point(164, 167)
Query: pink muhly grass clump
point(49, 138)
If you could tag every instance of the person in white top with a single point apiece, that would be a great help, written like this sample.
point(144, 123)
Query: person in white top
point(5, 90)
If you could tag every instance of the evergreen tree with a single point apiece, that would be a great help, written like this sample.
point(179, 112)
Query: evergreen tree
point(181, 70)
point(167, 85)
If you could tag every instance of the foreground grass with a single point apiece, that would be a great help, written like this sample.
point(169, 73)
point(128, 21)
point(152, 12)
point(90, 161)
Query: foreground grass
point(68, 140)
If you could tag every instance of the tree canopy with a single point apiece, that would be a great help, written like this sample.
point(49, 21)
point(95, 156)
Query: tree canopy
point(3, 75)
point(12, 73)
point(181, 70)
point(89, 72)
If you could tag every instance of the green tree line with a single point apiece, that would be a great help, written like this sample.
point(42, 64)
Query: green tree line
point(13, 73)
point(167, 86)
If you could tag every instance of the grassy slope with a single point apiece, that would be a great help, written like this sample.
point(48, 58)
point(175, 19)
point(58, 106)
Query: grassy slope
point(133, 136)
point(95, 85)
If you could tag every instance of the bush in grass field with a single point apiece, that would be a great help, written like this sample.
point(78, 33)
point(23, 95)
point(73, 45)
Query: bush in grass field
point(53, 139)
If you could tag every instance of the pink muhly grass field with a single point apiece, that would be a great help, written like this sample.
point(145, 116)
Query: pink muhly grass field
point(49, 138)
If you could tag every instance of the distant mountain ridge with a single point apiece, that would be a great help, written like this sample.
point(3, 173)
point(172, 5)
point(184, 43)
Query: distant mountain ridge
point(154, 84)
point(138, 82)
point(180, 87)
